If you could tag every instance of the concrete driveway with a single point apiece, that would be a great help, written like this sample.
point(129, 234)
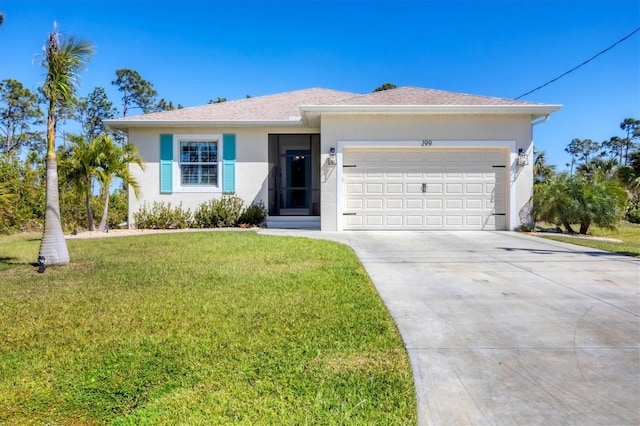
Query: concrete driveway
point(506, 329)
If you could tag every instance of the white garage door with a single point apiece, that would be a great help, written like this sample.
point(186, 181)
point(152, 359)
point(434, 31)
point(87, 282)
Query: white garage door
point(424, 189)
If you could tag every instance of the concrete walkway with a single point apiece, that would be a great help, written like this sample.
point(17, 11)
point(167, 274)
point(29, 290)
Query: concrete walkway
point(507, 329)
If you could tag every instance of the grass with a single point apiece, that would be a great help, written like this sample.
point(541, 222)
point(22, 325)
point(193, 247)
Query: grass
point(197, 328)
point(628, 233)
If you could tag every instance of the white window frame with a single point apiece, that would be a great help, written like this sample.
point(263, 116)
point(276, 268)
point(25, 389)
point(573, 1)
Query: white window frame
point(177, 170)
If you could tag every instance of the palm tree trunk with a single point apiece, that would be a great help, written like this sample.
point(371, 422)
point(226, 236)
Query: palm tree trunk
point(584, 227)
point(105, 210)
point(53, 245)
point(569, 228)
point(87, 201)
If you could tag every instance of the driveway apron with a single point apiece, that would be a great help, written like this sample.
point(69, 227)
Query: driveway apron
point(503, 328)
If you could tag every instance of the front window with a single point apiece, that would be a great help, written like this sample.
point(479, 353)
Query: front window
point(199, 162)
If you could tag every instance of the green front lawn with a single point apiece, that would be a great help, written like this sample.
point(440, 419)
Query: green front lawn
point(197, 328)
point(628, 233)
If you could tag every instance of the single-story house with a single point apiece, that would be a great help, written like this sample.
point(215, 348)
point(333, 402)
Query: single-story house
point(407, 158)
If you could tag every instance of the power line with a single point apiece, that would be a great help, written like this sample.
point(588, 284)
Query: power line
point(584, 63)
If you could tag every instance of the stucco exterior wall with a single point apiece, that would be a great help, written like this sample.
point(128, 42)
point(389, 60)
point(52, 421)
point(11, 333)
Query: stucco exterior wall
point(337, 128)
point(252, 165)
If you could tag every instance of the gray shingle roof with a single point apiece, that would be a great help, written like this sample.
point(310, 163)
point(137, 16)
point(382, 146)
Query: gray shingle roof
point(418, 96)
point(287, 108)
point(278, 107)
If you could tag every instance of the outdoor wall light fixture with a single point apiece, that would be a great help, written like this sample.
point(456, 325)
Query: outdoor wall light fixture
point(41, 265)
point(332, 157)
point(522, 158)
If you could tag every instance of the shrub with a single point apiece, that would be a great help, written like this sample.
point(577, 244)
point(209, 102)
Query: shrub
point(633, 212)
point(526, 227)
point(580, 199)
point(253, 215)
point(221, 212)
point(118, 205)
point(162, 216)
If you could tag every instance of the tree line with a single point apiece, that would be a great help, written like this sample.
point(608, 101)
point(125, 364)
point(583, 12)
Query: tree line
point(601, 187)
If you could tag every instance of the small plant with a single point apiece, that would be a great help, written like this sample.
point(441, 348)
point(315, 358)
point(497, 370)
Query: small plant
point(526, 227)
point(633, 212)
point(254, 215)
point(162, 216)
point(219, 213)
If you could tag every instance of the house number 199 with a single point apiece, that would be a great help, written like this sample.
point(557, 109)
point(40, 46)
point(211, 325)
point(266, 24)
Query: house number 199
point(427, 142)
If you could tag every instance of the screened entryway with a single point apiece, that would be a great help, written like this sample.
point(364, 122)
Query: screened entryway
point(294, 175)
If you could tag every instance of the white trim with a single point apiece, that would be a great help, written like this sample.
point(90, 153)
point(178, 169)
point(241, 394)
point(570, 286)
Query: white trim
point(429, 144)
point(125, 124)
point(536, 110)
point(177, 184)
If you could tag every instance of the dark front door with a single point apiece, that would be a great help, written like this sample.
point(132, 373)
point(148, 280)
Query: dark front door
point(294, 174)
point(298, 179)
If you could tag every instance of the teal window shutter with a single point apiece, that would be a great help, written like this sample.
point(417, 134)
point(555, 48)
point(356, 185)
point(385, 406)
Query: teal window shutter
point(166, 163)
point(228, 163)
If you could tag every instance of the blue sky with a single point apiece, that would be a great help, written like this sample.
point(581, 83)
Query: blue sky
point(193, 51)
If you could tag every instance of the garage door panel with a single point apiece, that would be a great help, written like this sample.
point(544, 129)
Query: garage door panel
point(453, 174)
point(474, 176)
point(453, 204)
point(373, 220)
point(474, 204)
point(453, 188)
point(413, 175)
point(473, 188)
point(393, 204)
point(373, 188)
point(394, 188)
point(354, 189)
point(426, 189)
point(433, 204)
point(434, 221)
point(414, 204)
point(435, 188)
point(416, 221)
point(413, 188)
point(374, 174)
point(354, 222)
point(454, 221)
point(394, 221)
point(354, 204)
point(474, 221)
point(374, 203)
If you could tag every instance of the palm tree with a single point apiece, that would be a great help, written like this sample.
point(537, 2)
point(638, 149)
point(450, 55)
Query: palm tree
point(566, 200)
point(114, 163)
point(542, 171)
point(79, 165)
point(608, 167)
point(63, 58)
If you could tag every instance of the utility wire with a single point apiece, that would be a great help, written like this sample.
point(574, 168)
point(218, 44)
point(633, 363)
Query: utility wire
point(584, 63)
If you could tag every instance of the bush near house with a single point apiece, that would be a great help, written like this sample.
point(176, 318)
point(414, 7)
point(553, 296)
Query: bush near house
point(222, 212)
point(254, 215)
point(225, 212)
point(162, 216)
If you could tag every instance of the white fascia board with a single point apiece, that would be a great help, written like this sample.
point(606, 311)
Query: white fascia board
point(128, 124)
point(536, 110)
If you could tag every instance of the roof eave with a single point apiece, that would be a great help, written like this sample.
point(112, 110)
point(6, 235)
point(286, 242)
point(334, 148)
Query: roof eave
point(533, 110)
point(129, 124)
